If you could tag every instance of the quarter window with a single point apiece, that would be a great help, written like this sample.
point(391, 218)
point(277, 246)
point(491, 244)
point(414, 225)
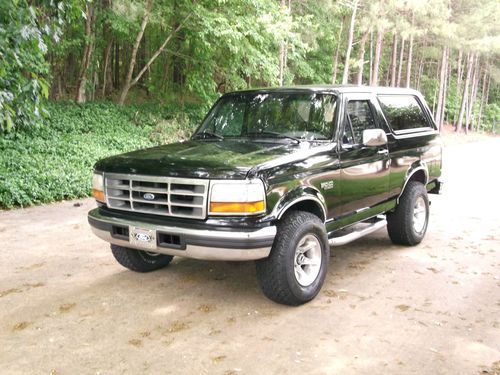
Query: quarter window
point(403, 112)
point(360, 117)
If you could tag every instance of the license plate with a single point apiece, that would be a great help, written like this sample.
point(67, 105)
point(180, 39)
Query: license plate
point(142, 238)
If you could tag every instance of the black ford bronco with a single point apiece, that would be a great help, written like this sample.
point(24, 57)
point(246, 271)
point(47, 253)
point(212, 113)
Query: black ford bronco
point(276, 176)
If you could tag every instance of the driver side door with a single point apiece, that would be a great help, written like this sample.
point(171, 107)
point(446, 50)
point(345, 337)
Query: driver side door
point(364, 170)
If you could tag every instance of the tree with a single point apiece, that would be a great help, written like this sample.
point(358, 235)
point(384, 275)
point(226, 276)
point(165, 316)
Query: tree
point(410, 54)
point(394, 57)
point(283, 47)
point(336, 54)
point(442, 85)
point(24, 34)
point(128, 80)
point(465, 96)
point(361, 57)
point(376, 63)
point(89, 16)
point(345, 76)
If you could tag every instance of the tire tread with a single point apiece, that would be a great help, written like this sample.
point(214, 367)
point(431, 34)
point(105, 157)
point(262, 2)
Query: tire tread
point(400, 221)
point(271, 272)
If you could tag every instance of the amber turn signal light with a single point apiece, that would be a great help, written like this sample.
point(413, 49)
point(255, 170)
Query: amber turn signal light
point(237, 207)
point(98, 195)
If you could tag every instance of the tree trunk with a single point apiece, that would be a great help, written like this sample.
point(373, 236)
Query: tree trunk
point(475, 83)
point(459, 70)
point(106, 35)
point(345, 76)
point(335, 61)
point(483, 97)
point(410, 55)
point(370, 76)
point(442, 73)
point(87, 54)
point(401, 59)
point(376, 62)
point(470, 57)
point(116, 70)
point(106, 76)
point(445, 87)
point(361, 58)
point(128, 79)
point(282, 54)
point(129, 83)
point(420, 71)
point(394, 59)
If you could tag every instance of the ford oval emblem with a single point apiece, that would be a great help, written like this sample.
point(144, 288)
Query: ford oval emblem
point(149, 196)
point(143, 237)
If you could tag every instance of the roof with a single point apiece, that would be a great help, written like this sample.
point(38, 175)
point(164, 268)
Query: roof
point(334, 89)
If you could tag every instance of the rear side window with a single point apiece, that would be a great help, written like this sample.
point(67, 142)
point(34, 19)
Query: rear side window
point(403, 112)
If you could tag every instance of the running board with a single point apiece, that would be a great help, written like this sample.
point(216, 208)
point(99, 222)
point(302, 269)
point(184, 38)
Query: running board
point(342, 240)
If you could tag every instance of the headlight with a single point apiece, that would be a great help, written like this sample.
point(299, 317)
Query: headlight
point(98, 187)
point(237, 197)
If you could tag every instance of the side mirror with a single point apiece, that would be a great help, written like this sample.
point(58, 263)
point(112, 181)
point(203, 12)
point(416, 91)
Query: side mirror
point(374, 137)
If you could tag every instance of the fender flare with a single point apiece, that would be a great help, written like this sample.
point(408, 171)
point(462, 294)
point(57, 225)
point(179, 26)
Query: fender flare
point(297, 195)
point(411, 171)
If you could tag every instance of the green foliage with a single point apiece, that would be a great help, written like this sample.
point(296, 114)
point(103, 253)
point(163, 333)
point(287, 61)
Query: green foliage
point(55, 161)
point(23, 68)
point(491, 118)
point(178, 127)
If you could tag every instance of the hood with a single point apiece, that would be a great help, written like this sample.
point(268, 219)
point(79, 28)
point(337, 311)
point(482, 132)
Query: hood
point(227, 159)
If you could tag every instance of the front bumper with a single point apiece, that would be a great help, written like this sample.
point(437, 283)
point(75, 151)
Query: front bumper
point(436, 187)
point(207, 244)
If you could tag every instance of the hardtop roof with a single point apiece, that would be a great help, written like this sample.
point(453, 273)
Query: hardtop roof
point(334, 89)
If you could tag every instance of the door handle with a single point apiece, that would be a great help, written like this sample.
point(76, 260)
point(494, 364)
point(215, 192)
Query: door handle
point(383, 151)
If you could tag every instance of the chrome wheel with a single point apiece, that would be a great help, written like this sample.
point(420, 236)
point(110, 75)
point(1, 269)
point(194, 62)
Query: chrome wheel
point(307, 262)
point(419, 215)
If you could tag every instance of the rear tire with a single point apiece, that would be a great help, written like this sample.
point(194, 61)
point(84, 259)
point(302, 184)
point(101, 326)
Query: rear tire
point(295, 270)
point(408, 223)
point(139, 261)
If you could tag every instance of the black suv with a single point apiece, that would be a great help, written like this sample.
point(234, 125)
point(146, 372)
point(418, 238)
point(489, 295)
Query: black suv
point(277, 176)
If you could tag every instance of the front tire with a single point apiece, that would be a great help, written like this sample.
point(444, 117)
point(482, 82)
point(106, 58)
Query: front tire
point(408, 223)
point(139, 261)
point(295, 270)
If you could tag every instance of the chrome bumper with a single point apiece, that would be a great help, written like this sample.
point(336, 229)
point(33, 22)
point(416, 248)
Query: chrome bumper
point(203, 244)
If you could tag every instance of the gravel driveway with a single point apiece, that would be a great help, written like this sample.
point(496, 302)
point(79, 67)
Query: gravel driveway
point(66, 306)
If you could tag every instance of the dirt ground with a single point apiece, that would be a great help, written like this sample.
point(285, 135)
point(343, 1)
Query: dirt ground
point(66, 306)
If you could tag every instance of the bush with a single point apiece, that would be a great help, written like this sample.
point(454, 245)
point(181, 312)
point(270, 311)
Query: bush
point(55, 161)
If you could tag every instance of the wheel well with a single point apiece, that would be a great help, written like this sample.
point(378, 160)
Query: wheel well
point(308, 205)
point(419, 176)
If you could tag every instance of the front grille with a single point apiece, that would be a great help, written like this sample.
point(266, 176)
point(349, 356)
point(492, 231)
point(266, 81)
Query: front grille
point(168, 196)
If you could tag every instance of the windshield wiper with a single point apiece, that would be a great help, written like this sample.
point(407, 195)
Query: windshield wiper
point(205, 134)
point(274, 134)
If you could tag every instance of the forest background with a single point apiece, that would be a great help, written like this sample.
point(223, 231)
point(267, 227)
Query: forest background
point(81, 80)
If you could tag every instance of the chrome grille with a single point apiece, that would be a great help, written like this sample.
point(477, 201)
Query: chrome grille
point(168, 196)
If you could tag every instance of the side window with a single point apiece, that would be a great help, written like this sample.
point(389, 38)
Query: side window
point(403, 112)
point(359, 118)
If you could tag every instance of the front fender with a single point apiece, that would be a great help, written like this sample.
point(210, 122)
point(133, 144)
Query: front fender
point(297, 195)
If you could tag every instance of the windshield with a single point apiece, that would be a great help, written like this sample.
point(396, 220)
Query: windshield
point(306, 116)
